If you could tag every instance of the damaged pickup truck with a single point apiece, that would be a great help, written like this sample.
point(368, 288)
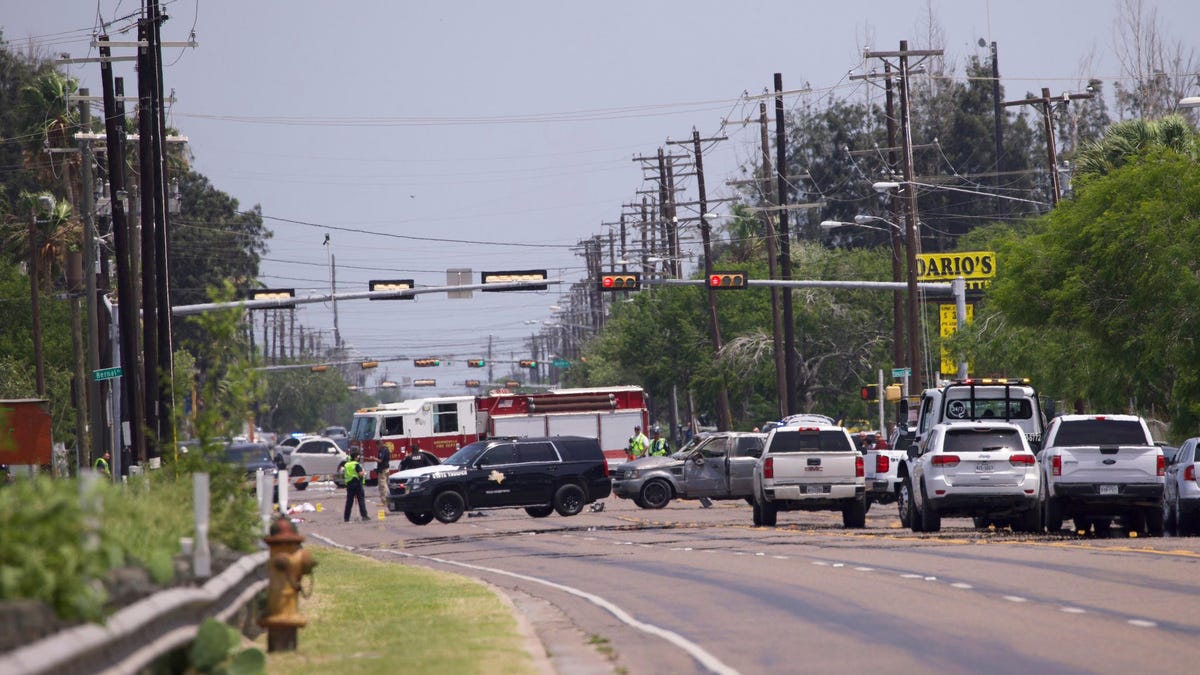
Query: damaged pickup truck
point(720, 466)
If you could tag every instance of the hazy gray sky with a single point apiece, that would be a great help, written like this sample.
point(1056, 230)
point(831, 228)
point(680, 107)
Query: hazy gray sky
point(486, 124)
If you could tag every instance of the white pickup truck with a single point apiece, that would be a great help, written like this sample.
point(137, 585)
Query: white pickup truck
point(1099, 467)
point(807, 467)
point(1012, 400)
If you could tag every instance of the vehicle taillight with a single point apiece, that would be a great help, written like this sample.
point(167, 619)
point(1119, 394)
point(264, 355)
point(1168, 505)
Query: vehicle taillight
point(606, 467)
point(1190, 472)
point(882, 464)
point(769, 468)
point(1022, 460)
point(1056, 465)
point(1162, 465)
point(945, 460)
point(858, 466)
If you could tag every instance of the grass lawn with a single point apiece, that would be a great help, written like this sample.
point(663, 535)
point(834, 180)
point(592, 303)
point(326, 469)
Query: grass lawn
point(367, 616)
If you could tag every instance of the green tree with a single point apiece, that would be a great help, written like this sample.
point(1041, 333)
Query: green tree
point(1110, 280)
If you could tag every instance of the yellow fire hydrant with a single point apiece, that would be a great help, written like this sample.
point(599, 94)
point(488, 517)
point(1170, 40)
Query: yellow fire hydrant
point(286, 566)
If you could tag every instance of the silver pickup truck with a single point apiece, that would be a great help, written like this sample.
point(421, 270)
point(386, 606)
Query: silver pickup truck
point(719, 466)
point(810, 468)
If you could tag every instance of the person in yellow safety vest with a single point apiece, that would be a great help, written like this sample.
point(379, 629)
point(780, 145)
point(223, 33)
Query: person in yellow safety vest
point(638, 443)
point(101, 465)
point(658, 444)
point(352, 472)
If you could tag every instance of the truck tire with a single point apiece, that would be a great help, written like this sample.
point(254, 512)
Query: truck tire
point(769, 513)
point(298, 472)
point(539, 511)
point(419, 517)
point(1052, 514)
point(1154, 521)
point(1170, 521)
point(931, 520)
point(656, 494)
point(1185, 522)
point(981, 522)
point(756, 514)
point(448, 506)
point(569, 499)
point(1029, 521)
point(854, 514)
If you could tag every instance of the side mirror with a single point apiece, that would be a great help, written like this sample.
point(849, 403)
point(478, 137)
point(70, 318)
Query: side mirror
point(331, 451)
point(913, 451)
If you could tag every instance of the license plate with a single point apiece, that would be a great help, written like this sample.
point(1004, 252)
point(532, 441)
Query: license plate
point(812, 489)
point(983, 467)
point(1108, 489)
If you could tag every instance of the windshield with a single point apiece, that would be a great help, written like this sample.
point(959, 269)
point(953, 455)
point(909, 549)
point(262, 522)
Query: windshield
point(689, 446)
point(466, 454)
point(362, 428)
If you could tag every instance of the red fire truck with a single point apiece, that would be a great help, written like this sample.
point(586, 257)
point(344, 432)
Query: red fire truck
point(442, 425)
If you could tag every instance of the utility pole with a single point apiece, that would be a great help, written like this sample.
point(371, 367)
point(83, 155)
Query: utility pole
point(166, 361)
point(39, 367)
point(912, 236)
point(898, 314)
point(1001, 205)
point(91, 386)
point(147, 121)
point(337, 334)
point(127, 307)
point(1047, 105)
point(785, 249)
point(724, 416)
point(781, 385)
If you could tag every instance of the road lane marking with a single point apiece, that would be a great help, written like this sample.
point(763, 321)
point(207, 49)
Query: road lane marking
point(962, 585)
point(1141, 623)
point(1073, 610)
point(1014, 598)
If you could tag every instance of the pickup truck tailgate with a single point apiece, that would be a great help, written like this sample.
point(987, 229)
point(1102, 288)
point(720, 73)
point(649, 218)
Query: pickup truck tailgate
point(798, 475)
point(1109, 463)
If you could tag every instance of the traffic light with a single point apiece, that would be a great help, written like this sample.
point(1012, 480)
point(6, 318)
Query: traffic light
point(511, 384)
point(273, 294)
point(392, 285)
point(870, 392)
point(475, 363)
point(424, 383)
point(319, 368)
point(620, 282)
point(727, 280)
point(427, 363)
point(528, 363)
point(370, 364)
point(892, 393)
point(513, 276)
point(472, 383)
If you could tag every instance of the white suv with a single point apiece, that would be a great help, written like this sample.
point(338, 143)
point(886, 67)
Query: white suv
point(318, 458)
point(977, 469)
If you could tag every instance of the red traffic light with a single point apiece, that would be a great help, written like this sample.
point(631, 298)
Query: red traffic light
point(620, 282)
point(727, 280)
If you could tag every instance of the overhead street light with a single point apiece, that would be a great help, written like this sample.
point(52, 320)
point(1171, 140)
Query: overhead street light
point(1190, 102)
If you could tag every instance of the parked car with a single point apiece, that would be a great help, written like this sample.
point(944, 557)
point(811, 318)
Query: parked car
point(316, 456)
point(542, 475)
point(1181, 491)
point(975, 469)
point(809, 467)
point(251, 456)
point(339, 435)
point(721, 466)
point(283, 449)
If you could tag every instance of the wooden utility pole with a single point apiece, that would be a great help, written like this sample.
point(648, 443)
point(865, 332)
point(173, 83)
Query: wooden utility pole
point(724, 415)
point(911, 230)
point(91, 386)
point(147, 121)
point(785, 249)
point(781, 386)
point(165, 365)
point(1001, 206)
point(1047, 105)
point(898, 351)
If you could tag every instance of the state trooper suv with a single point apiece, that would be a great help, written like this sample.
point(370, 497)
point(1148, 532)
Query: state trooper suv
point(543, 475)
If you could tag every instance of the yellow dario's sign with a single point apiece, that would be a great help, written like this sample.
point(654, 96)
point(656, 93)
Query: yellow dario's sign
point(978, 268)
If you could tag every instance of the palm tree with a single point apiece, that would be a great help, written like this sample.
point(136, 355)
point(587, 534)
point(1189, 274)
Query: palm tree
point(1132, 137)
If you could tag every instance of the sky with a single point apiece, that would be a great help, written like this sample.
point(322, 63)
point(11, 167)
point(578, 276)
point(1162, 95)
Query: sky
point(423, 136)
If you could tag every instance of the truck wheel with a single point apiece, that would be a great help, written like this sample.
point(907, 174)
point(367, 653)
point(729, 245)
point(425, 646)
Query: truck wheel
point(419, 517)
point(539, 511)
point(298, 472)
point(981, 522)
point(568, 501)
point(908, 511)
point(1154, 521)
point(448, 506)
point(1170, 524)
point(931, 520)
point(756, 516)
point(1052, 514)
point(867, 501)
point(1029, 521)
point(854, 514)
point(769, 513)
point(656, 494)
point(1185, 522)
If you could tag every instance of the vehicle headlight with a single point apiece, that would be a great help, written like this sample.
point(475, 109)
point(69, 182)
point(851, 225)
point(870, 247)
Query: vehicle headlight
point(417, 482)
point(631, 474)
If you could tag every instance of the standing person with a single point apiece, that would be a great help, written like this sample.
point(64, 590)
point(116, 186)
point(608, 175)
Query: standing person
point(415, 459)
point(638, 443)
point(658, 444)
point(101, 465)
point(382, 469)
point(353, 474)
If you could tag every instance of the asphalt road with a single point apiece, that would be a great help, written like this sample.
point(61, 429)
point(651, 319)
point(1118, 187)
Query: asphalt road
point(688, 589)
